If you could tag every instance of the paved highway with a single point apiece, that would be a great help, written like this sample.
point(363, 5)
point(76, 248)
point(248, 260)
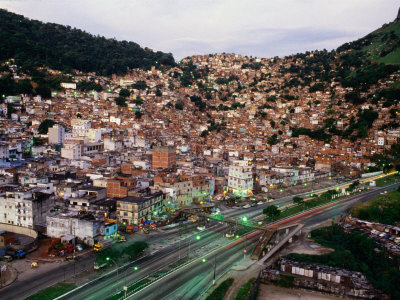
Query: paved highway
point(111, 283)
point(192, 281)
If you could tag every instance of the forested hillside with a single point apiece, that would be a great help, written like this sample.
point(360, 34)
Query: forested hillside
point(34, 43)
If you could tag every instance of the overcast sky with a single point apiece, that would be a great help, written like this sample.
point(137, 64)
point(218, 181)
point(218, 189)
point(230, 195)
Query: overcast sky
point(262, 28)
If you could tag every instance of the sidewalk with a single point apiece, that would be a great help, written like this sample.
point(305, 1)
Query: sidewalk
point(8, 276)
point(241, 277)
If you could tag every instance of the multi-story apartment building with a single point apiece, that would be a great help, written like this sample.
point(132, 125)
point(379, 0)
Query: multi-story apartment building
point(164, 157)
point(72, 150)
point(240, 178)
point(56, 134)
point(136, 210)
point(80, 128)
point(25, 207)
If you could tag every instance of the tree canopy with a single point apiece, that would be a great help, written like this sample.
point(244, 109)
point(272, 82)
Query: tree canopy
point(34, 43)
point(45, 125)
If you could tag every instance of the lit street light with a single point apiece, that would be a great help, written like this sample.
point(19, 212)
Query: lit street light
point(215, 266)
point(108, 259)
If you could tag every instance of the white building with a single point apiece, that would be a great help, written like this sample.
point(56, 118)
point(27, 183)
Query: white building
point(59, 225)
point(94, 135)
point(71, 150)
point(56, 134)
point(25, 208)
point(240, 178)
point(80, 127)
point(68, 85)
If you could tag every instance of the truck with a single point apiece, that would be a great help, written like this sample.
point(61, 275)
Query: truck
point(101, 245)
point(17, 253)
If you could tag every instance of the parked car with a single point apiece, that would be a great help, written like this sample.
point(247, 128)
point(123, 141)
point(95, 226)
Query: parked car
point(17, 253)
point(253, 204)
point(246, 206)
point(7, 258)
point(260, 202)
point(121, 239)
point(201, 228)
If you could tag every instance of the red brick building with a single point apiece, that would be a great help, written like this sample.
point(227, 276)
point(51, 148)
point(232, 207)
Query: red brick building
point(119, 187)
point(164, 157)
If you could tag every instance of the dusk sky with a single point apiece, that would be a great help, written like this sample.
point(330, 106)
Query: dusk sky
point(187, 27)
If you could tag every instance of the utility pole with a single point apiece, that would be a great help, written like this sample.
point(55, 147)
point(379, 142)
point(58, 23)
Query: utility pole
point(215, 266)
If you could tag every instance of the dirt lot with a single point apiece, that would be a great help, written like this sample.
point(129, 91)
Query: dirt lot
point(305, 246)
point(272, 292)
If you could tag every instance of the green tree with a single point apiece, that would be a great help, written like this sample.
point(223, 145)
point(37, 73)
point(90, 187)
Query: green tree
point(139, 85)
point(298, 200)
point(44, 91)
point(24, 86)
point(138, 101)
point(138, 114)
point(204, 133)
point(273, 140)
point(45, 125)
point(179, 104)
point(124, 93)
point(272, 211)
point(136, 249)
point(120, 101)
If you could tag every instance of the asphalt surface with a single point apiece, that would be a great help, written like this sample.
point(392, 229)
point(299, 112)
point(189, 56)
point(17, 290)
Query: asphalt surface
point(192, 281)
point(35, 283)
point(114, 281)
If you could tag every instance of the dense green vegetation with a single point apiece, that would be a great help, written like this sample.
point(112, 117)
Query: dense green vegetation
point(132, 251)
point(245, 291)
point(383, 209)
point(318, 134)
point(273, 212)
point(220, 291)
point(52, 292)
point(34, 43)
point(355, 251)
point(89, 86)
point(44, 85)
point(45, 125)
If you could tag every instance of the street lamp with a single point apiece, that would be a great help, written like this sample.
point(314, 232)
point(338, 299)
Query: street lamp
point(215, 266)
point(108, 259)
point(198, 237)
